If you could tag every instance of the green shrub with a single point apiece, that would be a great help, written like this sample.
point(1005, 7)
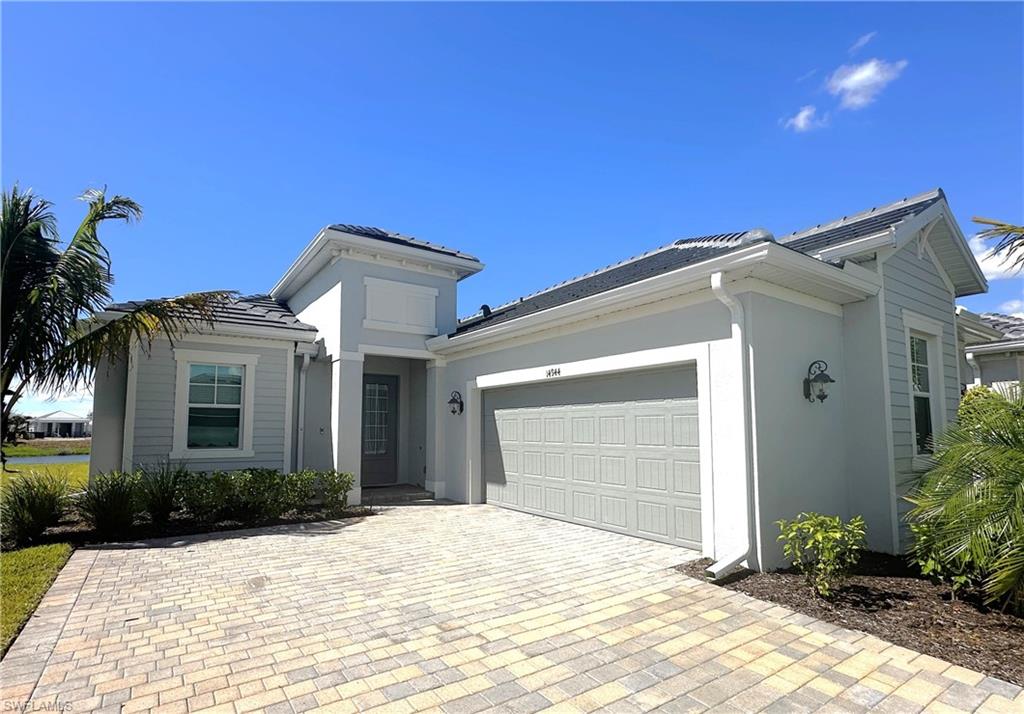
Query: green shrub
point(158, 492)
point(971, 502)
point(823, 548)
point(975, 402)
point(257, 495)
point(300, 489)
point(32, 503)
point(204, 497)
point(333, 488)
point(110, 503)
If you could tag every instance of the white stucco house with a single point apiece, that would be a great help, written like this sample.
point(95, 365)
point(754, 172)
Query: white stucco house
point(993, 347)
point(59, 424)
point(662, 397)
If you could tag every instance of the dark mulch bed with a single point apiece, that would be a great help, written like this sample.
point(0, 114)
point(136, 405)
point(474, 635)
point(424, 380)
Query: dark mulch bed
point(75, 531)
point(887, 598)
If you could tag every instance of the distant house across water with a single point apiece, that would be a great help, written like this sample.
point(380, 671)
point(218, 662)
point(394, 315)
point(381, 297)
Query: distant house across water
point(59, 424)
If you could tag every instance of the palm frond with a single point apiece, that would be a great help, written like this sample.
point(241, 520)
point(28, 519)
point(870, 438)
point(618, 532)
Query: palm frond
point(1011, 240)
point(105, 337)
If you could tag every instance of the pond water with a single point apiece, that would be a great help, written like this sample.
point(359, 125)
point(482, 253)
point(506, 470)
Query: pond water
point(66, 459)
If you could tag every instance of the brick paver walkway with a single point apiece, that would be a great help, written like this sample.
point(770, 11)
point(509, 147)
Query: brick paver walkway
point(459, 608)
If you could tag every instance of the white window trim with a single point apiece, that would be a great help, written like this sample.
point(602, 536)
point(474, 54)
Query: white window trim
point(932, 332)
point(184, 358)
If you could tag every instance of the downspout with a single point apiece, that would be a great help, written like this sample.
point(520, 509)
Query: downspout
point(739, 335)
point(301, 446)
point(975, 369)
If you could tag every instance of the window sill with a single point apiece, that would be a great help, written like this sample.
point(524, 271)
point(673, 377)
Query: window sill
point(211, 454)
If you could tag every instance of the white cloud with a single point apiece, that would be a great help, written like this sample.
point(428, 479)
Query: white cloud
point(861, 41)
point(995, 267)
point(807, 75)
point(805, 120)
point(1013, 307)
point(857, 85)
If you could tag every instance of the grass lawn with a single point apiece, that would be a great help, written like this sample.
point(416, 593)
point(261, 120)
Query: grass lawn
point(77, 474)
point(49, 447)
point(25, 576)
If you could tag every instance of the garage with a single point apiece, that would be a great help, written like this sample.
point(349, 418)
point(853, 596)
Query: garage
point(616, 452)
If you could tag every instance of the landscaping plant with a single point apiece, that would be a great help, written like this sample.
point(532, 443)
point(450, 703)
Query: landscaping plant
point(333, 488)
point(110, 503)
point(158, 492)
point(30, 504)
point(256, 495)
point(823, 548)
point(970, 504)
point(203, 496)
point(300, 489)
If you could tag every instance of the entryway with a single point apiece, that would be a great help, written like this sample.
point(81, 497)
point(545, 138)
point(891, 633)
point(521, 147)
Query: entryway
point(380, 430)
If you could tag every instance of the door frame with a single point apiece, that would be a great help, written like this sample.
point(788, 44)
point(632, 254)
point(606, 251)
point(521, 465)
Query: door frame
point(698, 354)
point(394, 430)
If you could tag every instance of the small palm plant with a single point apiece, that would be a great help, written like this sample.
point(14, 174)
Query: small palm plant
point(52, 334)
point(971, 502)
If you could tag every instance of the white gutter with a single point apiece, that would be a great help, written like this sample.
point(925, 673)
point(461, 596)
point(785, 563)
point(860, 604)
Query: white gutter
point(739, 335)
point(300, 447)
point(975, 369)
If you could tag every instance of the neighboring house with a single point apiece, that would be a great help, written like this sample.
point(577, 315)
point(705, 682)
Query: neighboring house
point(60, 424)
point(993, 349)
point(663, 397)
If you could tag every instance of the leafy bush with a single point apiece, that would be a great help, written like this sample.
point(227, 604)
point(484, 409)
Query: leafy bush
point(823, 548)
point(110, 503)
point(300, 488)
point(257, 495)
point(204, 497)
point(158, 492)
point(333, 488)
point(975, 402)
point(32, 503)
point(971, 502)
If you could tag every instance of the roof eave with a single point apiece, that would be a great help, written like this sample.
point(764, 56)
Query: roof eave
point(330, 238)
point(851, 281)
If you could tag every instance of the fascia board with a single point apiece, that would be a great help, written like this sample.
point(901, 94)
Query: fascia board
point(1014, 345)
point(857, 287)
point(422, 255)
point(907, 231)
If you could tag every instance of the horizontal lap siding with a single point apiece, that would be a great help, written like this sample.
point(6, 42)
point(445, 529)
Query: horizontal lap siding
point(154, 407)
point(915, 284)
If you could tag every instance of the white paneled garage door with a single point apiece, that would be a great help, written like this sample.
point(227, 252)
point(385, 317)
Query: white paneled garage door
point(581, 451)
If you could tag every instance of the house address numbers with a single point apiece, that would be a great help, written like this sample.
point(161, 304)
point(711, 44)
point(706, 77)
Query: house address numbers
point(553, 372)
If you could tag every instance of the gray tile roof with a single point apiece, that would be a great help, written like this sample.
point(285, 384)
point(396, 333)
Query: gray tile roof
point(662, 260)
point(688, 251)
point(399, 239)
point(866, 223)
point(1012, 327)
point(250, 310)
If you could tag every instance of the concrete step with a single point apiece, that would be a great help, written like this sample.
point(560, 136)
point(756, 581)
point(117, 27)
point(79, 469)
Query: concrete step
point(396, 495)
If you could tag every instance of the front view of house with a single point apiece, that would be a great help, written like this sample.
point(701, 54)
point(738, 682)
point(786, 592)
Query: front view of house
point(692, 395)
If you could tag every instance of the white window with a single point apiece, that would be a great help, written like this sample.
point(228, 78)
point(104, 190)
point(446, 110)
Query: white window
point(214, 404)
point(921, 390)
point(925, 383)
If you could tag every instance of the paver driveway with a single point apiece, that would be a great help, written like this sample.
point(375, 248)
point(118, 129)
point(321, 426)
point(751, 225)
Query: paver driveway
point(462, 608)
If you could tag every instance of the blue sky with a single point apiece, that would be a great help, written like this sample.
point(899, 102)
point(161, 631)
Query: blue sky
point(549, 140)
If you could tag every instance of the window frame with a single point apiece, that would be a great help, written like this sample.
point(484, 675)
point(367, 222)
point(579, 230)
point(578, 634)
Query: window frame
point(185, 358)
point(931, 331)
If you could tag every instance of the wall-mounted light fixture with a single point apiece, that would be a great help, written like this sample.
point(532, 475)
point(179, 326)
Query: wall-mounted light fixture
point(816, 382)
point(455, 403)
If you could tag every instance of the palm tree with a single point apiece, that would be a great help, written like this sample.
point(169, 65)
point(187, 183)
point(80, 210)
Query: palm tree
point(52, 295)
point(971, 502)
point(1011, 240)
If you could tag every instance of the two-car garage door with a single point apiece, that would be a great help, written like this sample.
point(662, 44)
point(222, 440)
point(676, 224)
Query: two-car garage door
point(618, 453)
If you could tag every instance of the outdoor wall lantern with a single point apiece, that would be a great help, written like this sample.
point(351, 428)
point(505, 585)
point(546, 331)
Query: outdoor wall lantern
point(455, 403)
point(816, 382)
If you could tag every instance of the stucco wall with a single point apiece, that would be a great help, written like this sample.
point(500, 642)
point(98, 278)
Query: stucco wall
point(799, 446)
